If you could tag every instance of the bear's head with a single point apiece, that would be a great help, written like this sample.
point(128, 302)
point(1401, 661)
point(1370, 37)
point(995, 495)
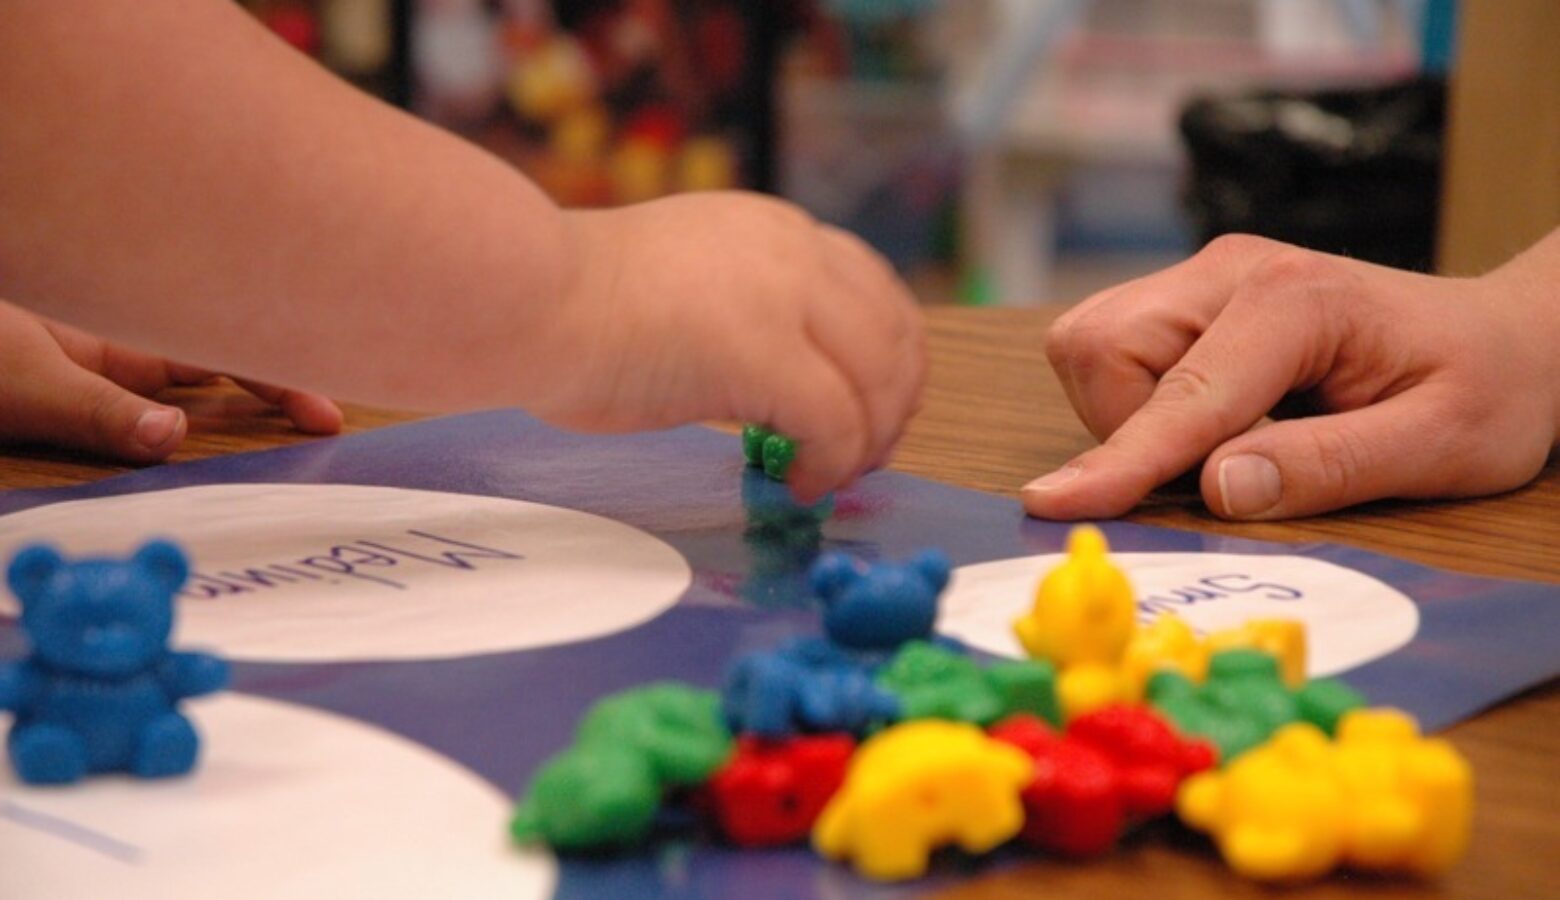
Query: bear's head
point(100, 617)
point(879, 606)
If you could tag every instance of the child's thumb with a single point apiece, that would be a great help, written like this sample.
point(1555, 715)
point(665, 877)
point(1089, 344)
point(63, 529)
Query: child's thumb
point(76, 409)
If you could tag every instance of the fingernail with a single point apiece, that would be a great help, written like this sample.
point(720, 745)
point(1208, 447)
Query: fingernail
point(1055, 479)
point(1250, 485)
point(156, 427)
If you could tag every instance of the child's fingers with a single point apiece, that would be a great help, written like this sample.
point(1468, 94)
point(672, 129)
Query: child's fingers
point(818, 408)
point(868, 324)
point(311, 413)
point(1267, 341)
point(59, 403)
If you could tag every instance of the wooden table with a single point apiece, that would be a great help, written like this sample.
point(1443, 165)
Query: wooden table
point(996, 417)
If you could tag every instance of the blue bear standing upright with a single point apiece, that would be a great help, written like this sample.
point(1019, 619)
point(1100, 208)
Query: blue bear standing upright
point(875, 608)
point(826, 684)
point(99, 691)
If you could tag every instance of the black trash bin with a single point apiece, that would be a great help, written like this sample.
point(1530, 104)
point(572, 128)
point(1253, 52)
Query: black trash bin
point(1354, 172)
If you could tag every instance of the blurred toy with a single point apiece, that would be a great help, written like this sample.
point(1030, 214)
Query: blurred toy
point(605, 790)
point(919, 786)
point(1380, 799)
point(656, 123)
point(1244, 700)
point(881, 606)
point(641, 170)
point(99, 692)
point(581, 135)
point(806, 684)
point(826, 684)
point(783, 537)
point(1166, 644)
point(1284, 639)
point(707, 164)
point(771, 792)
point(1113, 767)
point(1082, 621)
point(550, 81)
point(932, 681)
point(768, 450)
point(294, 23)
point(357, 35)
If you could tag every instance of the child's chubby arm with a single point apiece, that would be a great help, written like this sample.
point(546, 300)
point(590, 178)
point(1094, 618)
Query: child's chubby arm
point(176, 179)
point(1389, 383)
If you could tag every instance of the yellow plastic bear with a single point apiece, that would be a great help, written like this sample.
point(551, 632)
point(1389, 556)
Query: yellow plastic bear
point(1283, 638)
point(1381, 798)
point(1082, 620)
point(919, 786)
point(1167, 643)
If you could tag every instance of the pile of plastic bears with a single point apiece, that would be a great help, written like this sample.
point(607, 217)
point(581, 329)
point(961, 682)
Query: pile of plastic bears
point(882, 742)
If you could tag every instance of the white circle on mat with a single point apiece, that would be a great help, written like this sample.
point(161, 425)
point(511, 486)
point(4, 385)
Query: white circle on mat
point(1350, 617)
point(287, 802)
point(305, 573)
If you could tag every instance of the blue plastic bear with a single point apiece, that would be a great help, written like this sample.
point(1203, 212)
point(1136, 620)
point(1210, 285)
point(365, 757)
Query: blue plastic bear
point(878, 607)
point(98, 693)
point(827, 684)
point(805, 684)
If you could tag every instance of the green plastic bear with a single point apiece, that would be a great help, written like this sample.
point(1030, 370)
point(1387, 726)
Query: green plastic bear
point(768, 450)
point(605, 790)
point(1245, 700)
point(934, 682)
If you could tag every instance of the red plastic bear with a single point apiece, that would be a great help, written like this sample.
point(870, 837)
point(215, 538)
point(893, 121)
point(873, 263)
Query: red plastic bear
point(1113, 767)
point(772, 791)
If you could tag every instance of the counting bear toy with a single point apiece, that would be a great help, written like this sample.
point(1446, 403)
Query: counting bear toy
point(934, 682)
point(768, 451)
point(1112, 767)
point(826, 684)
point(918, 786)
point(628, 750)
point(99, 692)
point(1244, 700)
point(771, 792)
point(1082, 620)
point(1380, 798)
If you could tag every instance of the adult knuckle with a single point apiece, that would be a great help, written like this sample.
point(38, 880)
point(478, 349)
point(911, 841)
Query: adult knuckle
point(1184, 384)
point(1080, 343)
point(1288, 270)
point(1235, 246)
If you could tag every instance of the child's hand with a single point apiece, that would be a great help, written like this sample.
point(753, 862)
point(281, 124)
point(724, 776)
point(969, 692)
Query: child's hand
point(66, 388)
point(1417, 386)
point(730, 306)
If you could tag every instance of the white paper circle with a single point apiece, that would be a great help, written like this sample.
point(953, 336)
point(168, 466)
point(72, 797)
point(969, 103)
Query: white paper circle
point(303, 573)
point(288, 802)
point(1350, 617)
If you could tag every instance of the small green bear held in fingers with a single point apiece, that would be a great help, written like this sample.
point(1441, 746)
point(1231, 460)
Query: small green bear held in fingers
point(768, 450)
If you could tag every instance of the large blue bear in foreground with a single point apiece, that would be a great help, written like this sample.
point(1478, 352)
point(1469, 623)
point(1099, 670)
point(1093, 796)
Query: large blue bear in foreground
point(99, 692)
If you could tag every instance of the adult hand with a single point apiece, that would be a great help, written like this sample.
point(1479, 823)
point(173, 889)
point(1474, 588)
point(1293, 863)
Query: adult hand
point(1389, 383)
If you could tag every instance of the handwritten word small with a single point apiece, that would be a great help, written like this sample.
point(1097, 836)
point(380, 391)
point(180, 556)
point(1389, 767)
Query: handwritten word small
point(1212, 588)
point(358, 560)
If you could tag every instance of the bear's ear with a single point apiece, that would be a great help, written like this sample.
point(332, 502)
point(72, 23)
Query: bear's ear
point(934, 567)
point(165, 562)
point(831, 574)
point(31, 568)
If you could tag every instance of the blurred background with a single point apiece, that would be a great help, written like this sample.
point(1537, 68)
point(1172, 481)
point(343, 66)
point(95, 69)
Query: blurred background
point(998, 151)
